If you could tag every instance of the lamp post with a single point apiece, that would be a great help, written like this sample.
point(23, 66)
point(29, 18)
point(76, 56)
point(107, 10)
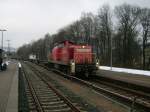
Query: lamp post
point(111, 53)
point(2, 30)
point(8, 48)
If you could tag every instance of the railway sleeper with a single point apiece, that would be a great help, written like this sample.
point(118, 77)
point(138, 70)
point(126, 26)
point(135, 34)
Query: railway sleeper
point(50, 100)
point(48, 95)
point(59, 110)
point(54, 107)
point(53, 103)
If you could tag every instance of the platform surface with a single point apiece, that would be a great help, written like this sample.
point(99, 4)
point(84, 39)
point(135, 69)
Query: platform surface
point(142, 80)
point(9, 88)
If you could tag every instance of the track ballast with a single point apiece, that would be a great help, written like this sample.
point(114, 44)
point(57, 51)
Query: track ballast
point(43, 97)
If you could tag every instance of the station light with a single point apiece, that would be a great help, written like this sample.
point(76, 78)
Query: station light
point(2, 30)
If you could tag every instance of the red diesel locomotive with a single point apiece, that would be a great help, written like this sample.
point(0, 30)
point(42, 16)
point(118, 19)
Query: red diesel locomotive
point(73, 58)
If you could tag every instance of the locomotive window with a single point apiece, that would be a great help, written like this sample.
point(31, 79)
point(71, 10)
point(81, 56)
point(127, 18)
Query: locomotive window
point(61, 45)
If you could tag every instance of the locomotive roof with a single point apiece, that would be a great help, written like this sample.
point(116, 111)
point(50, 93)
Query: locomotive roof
point(67, 41)
point(70, 42)
point(63, 42)
point(80, 43)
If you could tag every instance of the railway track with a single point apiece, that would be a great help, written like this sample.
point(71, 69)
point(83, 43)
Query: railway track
point(130, 96)
point(43, 97)
point(134, 98)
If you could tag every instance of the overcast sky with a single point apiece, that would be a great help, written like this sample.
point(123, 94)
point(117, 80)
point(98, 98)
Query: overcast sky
point(28, 20)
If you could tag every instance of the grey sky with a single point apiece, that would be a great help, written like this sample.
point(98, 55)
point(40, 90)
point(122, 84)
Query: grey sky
point(28, 20)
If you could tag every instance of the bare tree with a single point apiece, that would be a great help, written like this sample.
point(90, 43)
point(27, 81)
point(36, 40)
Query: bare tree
point(87, 22)
point(75, 31)
point(127, 16)
point(105, 31)
point(145, 23)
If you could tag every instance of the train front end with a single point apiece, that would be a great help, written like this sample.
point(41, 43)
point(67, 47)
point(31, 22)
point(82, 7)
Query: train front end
point(84, 60)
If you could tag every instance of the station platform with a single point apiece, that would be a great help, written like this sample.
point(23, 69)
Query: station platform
point(9, 88)
point(143, 80)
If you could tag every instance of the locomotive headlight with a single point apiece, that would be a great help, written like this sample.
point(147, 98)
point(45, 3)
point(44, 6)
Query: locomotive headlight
point(83, 46)
point(73, 63)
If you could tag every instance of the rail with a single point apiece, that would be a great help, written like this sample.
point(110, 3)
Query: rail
point(139, 99)
point(35, 94)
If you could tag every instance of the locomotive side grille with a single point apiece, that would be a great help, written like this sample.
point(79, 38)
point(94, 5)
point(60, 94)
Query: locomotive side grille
point(83, 55)
point(83, 58)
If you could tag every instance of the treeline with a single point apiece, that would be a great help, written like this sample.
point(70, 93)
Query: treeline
point(124, 31)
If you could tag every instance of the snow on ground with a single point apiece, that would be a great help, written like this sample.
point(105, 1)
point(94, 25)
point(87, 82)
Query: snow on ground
point(125, 70)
